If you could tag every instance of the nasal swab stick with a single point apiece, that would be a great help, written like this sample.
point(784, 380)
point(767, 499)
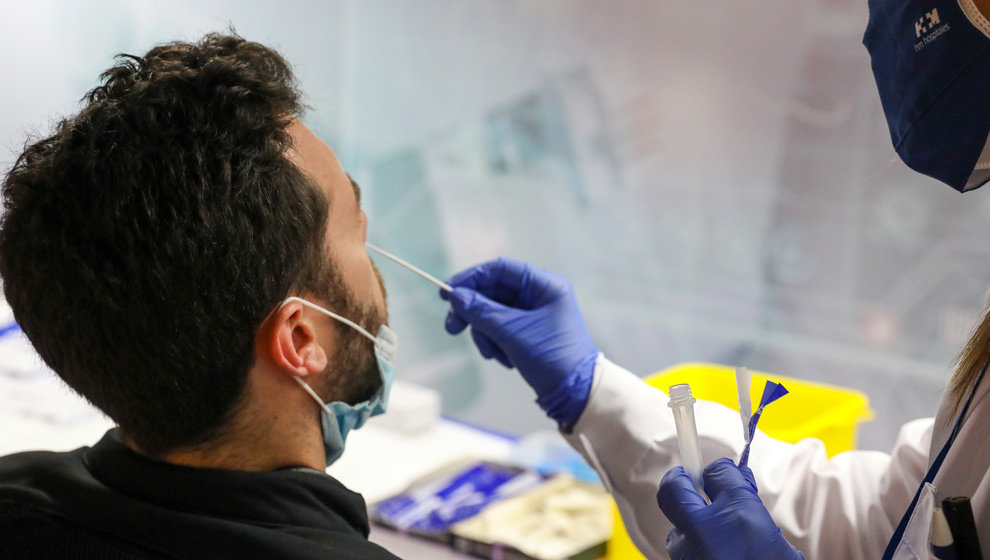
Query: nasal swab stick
point(682, 405)
point(743, 380)
point(433, 279)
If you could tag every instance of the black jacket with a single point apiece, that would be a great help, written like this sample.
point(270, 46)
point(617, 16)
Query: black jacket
point(110, 503)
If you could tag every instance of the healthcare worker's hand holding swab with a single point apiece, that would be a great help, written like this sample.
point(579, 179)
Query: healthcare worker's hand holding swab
point(528, 318)
point(735, 526)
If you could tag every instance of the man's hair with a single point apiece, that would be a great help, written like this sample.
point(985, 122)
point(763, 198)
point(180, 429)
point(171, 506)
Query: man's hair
point(144, 242)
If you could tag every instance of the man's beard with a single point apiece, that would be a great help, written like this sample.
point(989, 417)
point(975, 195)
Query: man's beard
point(353, 375)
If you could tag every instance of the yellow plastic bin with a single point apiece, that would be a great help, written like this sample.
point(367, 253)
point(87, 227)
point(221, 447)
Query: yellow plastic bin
point(829, 413)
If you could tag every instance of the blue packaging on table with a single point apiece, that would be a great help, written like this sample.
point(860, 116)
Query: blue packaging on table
point(430, 508)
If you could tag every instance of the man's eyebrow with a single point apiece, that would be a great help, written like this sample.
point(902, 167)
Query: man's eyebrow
point(357, 189)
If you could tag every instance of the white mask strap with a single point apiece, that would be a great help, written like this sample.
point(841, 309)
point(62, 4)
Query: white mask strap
point(313, 394)
point(340, 318)
point(428, 277)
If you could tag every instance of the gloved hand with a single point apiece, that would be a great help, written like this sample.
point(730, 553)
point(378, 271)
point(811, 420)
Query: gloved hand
point(527, 318)
point(735, 526)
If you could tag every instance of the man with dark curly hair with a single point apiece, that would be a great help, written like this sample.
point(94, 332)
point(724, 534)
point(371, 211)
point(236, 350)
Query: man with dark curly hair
point(171, 251)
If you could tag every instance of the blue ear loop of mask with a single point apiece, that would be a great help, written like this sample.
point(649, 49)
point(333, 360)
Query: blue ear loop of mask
point(339, 418)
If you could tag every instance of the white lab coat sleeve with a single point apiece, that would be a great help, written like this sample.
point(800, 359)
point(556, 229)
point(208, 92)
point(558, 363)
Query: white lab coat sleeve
point(846, 507)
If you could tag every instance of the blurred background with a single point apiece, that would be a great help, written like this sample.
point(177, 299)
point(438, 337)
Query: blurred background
point(716, 179)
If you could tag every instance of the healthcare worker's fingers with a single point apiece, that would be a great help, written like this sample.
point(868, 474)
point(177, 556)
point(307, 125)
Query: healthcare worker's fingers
point(453, 323)
point(491, 274)
point(679, 546)
point(735, 525)
point(749, 476)
point(485, 346)
point(511, 282)
point(488, 349)
point(723, 478)
point(485, 317)
point(678, 499)
point(479, 311)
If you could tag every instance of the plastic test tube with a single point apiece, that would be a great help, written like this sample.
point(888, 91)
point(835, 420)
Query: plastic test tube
point(682, 405)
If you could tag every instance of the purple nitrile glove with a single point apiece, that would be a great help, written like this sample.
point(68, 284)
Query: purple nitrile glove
point(736, 526)
point(528, 318)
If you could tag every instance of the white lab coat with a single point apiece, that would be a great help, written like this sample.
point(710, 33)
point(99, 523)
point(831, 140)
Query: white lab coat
point(846, 507)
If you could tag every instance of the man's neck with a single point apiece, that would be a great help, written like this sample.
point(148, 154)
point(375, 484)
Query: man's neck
point(274, 426)
point(258, 452)
point(226, 457)
point(237, 459)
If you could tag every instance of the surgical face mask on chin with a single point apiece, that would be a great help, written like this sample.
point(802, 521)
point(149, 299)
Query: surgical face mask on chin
point(931, 62)
point(339, 418)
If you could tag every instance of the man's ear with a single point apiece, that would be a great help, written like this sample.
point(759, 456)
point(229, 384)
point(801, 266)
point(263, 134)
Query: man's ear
point(292, 342)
